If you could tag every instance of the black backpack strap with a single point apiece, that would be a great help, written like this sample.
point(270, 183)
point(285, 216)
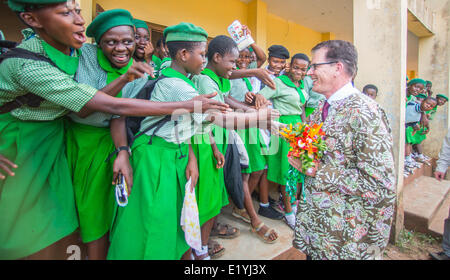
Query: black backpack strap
point(28, 99)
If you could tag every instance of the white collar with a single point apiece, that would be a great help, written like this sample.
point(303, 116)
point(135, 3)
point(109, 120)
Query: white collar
point(343, 93)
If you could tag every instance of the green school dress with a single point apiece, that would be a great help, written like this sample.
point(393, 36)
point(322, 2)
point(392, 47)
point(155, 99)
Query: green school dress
point(148, 228)
point(289, 100)
point(210, 192)
point(252, 138)
point(37, 205)
point(89, 144)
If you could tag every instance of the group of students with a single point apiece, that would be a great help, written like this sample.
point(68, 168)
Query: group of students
point(421, 106)
point(65, 106)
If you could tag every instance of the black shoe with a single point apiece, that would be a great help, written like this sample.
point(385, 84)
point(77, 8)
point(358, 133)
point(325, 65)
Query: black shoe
point(270, 213)
point(441, 256)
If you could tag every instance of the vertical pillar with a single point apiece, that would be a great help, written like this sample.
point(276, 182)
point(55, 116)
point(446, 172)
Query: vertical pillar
point(257, 22)
point(380, 36)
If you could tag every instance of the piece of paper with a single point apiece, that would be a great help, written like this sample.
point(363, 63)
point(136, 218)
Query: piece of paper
point(190, 222)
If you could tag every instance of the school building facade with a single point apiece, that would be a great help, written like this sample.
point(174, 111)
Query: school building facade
point(395, 39)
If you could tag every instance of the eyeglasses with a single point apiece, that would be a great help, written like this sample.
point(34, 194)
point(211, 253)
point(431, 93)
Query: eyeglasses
point(314, 66)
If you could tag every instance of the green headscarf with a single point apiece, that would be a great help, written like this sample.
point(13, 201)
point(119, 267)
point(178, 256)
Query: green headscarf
point(187, 32)
point(140, 24)
point(107, 20)
point(19, 5)
point(417, 81)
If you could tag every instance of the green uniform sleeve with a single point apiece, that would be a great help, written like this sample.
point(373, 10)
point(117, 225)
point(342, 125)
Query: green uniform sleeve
point(269, 93)
point(48, 82)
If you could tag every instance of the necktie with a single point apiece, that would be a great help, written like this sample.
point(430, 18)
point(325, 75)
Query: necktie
point(326, 106)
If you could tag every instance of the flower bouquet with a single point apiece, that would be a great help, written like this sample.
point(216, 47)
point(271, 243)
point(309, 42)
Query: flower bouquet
point(307, 143)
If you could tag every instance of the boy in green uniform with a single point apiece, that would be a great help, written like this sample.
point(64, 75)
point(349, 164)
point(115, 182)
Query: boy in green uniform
point(37, 204)
point(289, 98)
point(162, 161)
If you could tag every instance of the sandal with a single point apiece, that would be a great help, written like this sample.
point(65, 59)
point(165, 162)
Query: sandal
point(230, 231)
point(213, 251)
point(241, 214)
point(266, 237)
point(270, 213)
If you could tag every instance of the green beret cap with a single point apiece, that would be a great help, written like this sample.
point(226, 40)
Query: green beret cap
point(140, 24)
point(279, 51)
point(185, 32)
point(19, 5)
point(429, 83)
point(107, 20)
point(417, 81)
point(423, 96)
point(442, 96)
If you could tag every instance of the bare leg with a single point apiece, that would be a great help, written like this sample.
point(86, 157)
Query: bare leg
point(255, 179)
point(255, 220)
point(286, 200)
point(59, 250)
point(98, 249)
point(187, 255)
point(264, 188)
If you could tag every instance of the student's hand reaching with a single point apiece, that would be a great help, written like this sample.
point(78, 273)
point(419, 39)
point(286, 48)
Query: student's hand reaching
point(264, 76)
point(207, 103)
point(138, 70)
point(6, 165)
point(261, 102)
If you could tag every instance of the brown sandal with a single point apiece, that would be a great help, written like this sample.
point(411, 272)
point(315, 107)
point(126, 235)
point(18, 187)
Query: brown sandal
point(212, 249)
point(266, 237)
point(241, 214)
point(230, 231)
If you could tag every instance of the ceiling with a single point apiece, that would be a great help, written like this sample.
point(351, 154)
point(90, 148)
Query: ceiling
point(320, 15)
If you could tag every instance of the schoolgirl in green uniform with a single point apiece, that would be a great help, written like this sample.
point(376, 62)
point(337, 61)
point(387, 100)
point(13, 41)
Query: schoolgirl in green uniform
point(102, 66)
point(37, 204)
point(289, 98)
point(149, 226)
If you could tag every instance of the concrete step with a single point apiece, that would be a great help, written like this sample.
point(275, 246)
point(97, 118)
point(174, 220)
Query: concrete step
point(249, 247)
point(425, 170)
point(423, 199)
point(436, 227)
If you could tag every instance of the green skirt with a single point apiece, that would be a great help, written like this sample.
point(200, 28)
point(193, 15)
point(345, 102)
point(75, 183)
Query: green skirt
point(253, 144)
point(37, 205)
point(210, 191)
point(277, 161)
point(415, 139)
point(87, 149)
point(148, 228)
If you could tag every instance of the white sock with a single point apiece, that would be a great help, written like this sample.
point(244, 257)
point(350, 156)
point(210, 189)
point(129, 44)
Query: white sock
point(290, 218)
point(294, 209)
point(264, 205)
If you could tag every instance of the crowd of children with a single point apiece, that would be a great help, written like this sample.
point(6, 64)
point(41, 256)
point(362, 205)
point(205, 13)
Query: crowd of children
point(421, 106)
point(65, 107)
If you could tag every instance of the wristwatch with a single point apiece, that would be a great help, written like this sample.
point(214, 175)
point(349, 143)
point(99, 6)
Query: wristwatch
point(124, 148)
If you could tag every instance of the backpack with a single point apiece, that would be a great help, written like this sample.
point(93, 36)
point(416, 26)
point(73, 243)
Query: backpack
point(28, 99)
point(133, 124)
